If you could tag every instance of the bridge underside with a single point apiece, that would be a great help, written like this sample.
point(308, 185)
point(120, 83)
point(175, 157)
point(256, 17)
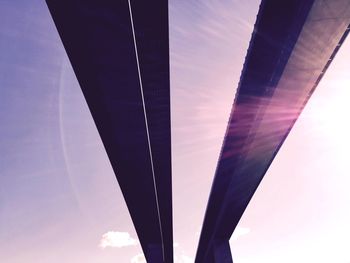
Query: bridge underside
point(120, 55)
point(292, 45)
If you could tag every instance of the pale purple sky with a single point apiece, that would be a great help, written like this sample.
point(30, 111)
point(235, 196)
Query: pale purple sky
point(58, 193)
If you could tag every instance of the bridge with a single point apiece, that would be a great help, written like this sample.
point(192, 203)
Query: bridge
point(120, 56)
point(292, 45)
point(119, 51)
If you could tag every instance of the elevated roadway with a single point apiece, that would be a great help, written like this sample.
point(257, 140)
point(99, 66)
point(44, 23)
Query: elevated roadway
point(292, 45)
point(119, 51)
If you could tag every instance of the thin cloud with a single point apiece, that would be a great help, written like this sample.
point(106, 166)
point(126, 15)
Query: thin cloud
point(139, 258)
point(117, 239)
point(184, 259)
point(179, 256)
point(240, 231)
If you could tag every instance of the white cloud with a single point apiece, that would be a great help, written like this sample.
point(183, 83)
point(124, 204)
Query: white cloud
point(139, 258)
point(184, 259)
point(240, 231)
point(179, 256)
point(117, 239)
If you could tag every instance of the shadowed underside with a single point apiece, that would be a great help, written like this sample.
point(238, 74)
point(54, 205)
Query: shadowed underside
point(120, 55)
point(292, 45)
point(119, 51)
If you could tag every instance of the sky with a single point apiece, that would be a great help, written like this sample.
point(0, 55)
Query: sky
point(59, 199)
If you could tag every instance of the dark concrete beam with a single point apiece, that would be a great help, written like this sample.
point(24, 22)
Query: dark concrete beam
point(292, 45)
point(119, 51)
